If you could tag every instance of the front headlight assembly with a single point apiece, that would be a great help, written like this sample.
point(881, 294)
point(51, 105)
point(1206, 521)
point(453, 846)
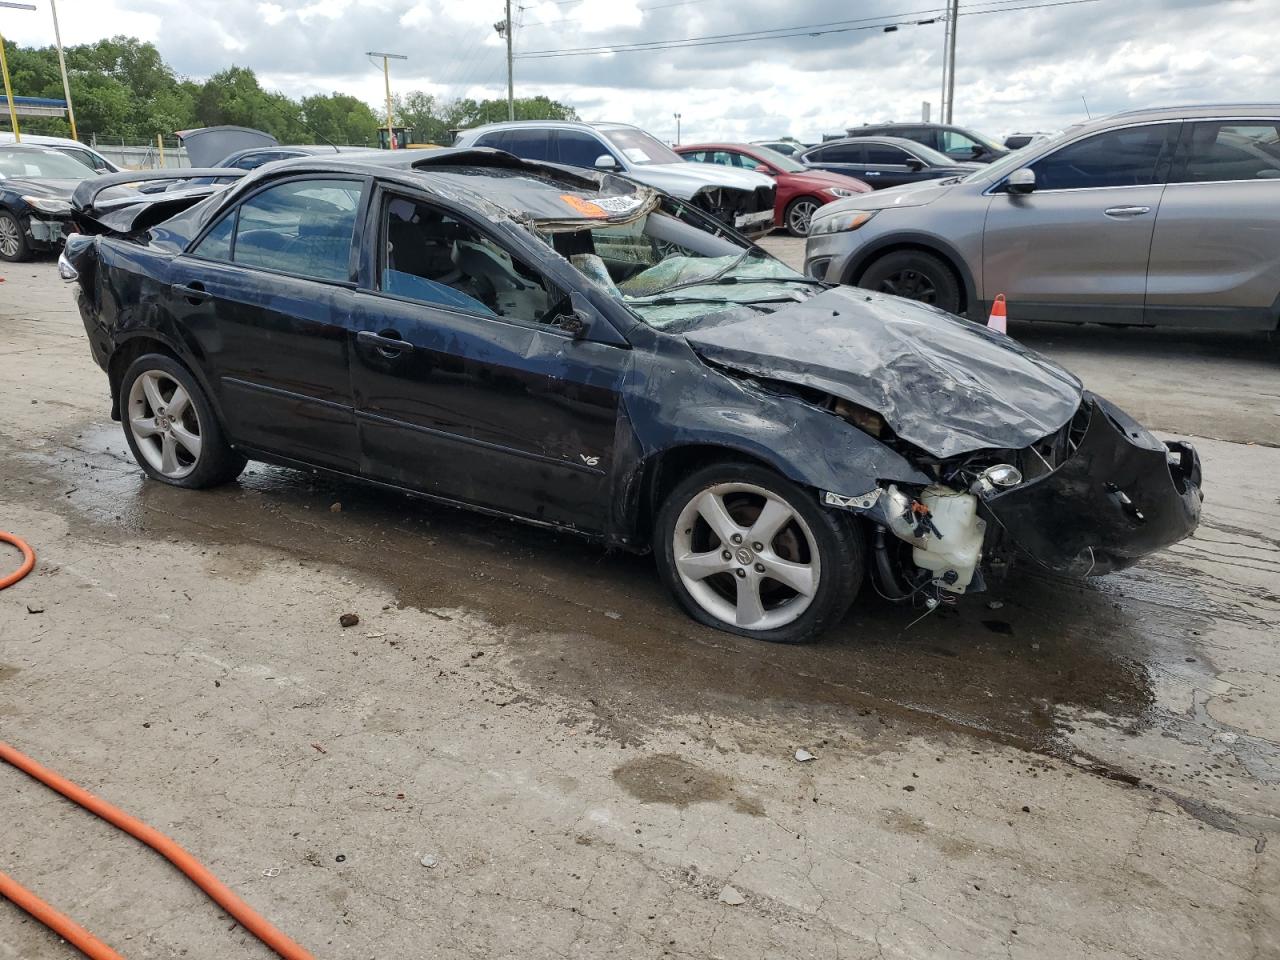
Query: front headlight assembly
point(50, 205)
point(839, 222)
point(841, 192)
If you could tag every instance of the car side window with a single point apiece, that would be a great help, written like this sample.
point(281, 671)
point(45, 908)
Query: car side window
point(883, 154)
point(956, 144)
point(493, 140)
point(302, 227)
point(697, 156)
point(577, 149)
point(528, 144)
point(842, 153)
point(435, 258)
point(1229, 150)
point(1115, 158)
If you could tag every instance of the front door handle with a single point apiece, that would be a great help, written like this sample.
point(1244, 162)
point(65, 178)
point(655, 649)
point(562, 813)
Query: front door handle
point(1119, 213)
point(389, 346)
point(193, 292)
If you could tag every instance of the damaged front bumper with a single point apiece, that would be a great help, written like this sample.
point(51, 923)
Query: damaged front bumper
point(1116, 496)
point(1119, 496)
point(48, 234)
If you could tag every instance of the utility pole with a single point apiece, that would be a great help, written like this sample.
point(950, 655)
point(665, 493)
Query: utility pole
point(946, 64)
point(677, 116)
point(511, 90)
point(62, 65)
point(386, 79)
point(953, 21)
point(4, 69)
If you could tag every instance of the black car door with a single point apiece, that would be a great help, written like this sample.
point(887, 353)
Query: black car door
point(266, 295)
point(889, 165)
point(464, 387)
point(846, 158)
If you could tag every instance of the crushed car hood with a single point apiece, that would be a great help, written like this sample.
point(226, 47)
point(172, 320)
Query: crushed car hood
point(943, 384)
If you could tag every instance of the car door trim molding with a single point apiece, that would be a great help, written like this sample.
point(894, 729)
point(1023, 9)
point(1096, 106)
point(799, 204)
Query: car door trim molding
point(286, 394)
point(485, 444)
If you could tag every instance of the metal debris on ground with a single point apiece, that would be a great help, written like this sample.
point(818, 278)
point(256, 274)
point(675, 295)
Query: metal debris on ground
point(802, 755)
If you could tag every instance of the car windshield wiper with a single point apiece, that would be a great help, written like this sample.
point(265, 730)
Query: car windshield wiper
point(676, 301)
point(712, 278)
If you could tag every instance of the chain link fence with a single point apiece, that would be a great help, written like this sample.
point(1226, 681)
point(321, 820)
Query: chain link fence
point(137, 154)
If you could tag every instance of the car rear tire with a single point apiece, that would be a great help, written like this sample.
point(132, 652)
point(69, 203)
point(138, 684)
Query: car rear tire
point(914, 275)
point(747, 551)
point(171, 428)
point(799, 214)
point(13, 239)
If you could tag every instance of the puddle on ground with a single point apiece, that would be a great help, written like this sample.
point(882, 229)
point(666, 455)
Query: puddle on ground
point(667, 778)
point(1031, 664)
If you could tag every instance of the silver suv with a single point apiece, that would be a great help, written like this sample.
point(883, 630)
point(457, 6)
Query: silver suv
point(741, 198)
point(1153, 217)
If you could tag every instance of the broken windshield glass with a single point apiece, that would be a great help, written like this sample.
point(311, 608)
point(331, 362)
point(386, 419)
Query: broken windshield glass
point(666, 269)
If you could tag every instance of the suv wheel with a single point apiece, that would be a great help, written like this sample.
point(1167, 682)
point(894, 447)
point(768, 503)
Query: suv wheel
point(914, 275)
point(748, 551)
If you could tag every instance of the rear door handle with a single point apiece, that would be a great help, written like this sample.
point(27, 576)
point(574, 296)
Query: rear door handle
point(1120, 213)
point(192, 292)
point(387, 346)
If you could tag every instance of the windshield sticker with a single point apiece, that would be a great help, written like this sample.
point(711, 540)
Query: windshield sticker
point(636, 155)
point(602, 207)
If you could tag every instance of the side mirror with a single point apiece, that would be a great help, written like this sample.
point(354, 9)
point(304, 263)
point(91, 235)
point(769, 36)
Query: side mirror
point(767, 171)
point(606, 162)
point(978, 150)
point(914, 165)
point(577, 322)
point(1021, 181)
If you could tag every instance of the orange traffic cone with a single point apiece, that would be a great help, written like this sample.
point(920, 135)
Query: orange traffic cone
point(997, 319)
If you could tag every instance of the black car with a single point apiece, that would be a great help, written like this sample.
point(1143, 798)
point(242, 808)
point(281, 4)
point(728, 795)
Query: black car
point(883, 161)
point(36, 184)
point(958, 143)
point(255, 157)
point(576, 350)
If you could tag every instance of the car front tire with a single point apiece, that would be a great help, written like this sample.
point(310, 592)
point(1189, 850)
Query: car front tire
point(747, 551)
point(171, 428)
point(914, 275)
point(799, 214)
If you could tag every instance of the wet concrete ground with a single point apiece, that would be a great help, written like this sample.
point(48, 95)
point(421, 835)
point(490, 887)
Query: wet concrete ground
point(1056, 769)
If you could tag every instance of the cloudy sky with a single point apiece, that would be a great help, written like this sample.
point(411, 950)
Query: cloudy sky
point(1018, 69)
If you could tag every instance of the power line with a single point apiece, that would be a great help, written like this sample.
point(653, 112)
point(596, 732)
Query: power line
point(782, 33)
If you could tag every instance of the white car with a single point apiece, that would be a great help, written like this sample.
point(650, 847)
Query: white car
point(740, 198)
point(73, 148)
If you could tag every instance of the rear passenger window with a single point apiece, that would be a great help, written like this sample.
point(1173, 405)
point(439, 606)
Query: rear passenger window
point(1229, 150)
point(303, 227)
point(1116, 158)
point(842, 153)
point(527, 144)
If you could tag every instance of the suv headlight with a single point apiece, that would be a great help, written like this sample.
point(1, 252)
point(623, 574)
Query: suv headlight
point(50, 205)
point(839, 222)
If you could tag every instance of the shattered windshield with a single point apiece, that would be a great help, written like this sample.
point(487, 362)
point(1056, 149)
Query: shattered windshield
point(669, 271)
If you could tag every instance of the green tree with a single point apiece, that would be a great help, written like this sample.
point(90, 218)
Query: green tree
point(432, 120)
point(339, 118)
point(233, 96)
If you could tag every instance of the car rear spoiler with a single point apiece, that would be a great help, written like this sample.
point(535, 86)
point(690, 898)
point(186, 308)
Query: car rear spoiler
point(115, 203)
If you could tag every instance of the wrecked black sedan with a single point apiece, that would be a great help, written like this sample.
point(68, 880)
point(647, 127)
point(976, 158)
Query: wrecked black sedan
point(574, 349)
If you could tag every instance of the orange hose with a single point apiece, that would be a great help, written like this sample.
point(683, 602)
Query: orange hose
point(28, 560)
point(62, 925)
point(167, 848)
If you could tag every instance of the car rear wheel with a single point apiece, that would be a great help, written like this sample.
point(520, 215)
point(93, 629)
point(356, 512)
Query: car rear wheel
point(916, 276)
point(799, 213)
point(171, 428)
point(13, 240)
point(748, 551)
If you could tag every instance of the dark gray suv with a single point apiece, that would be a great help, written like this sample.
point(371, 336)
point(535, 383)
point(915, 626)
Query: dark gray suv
point(1153, 217)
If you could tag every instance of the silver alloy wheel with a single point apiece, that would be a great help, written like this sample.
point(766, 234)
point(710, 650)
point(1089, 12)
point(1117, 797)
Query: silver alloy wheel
point(799, 216)
point(164, 424)
point(10, 241)
point(746, 556)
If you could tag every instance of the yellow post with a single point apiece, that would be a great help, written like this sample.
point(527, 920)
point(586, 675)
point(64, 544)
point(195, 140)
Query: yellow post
point(386, 78)
point(8, 92)
point(62, 65)
point(160, 144)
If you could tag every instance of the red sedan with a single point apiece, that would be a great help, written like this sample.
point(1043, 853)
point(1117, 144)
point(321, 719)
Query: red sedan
point(801, 191)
